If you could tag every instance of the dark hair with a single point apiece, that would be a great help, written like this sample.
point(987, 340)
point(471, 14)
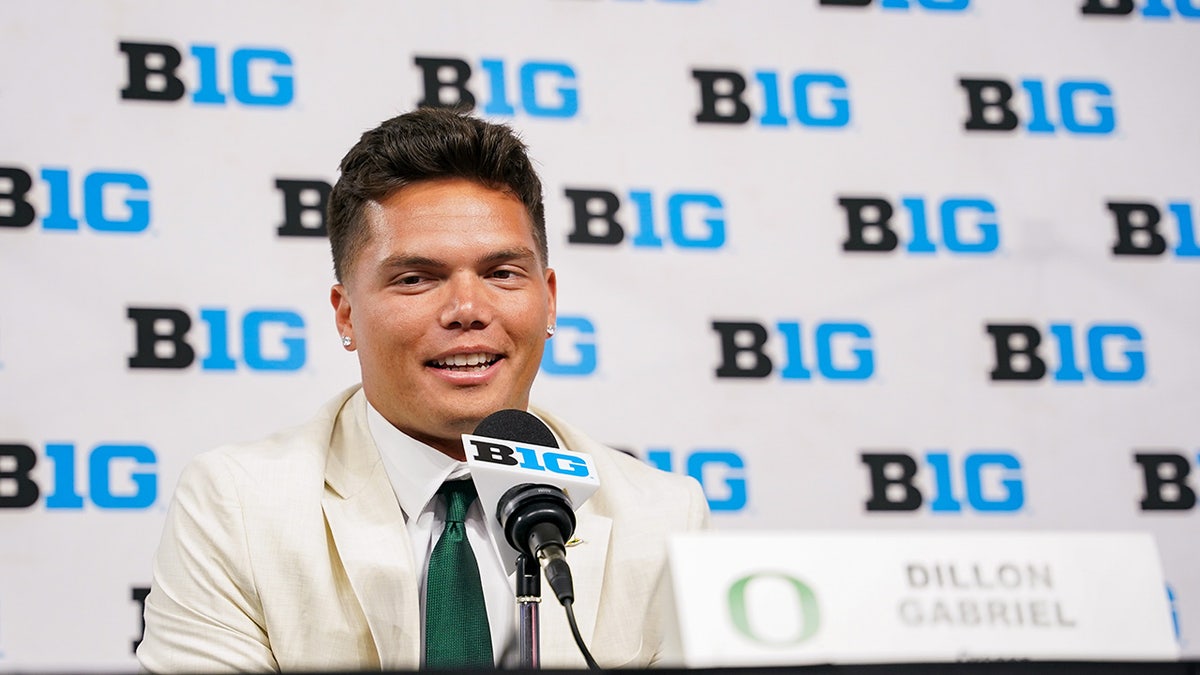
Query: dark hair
point(425, 144)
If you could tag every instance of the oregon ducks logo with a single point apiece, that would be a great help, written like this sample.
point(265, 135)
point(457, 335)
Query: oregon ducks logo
point(805, 602)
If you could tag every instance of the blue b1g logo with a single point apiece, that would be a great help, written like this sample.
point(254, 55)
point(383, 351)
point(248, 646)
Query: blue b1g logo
point(720, 472)
point(253, 76)
point(931, 5)
point(1082, 107)
point(694, 219)
point(271, 339)
point(813, 99)
point(544, 88)
point(964, 225)
point(844, 350)
point(108, 201)
point(572, 350)
point(1108, 353)
point(109, 476)
point(561, 462)
point(986, 481)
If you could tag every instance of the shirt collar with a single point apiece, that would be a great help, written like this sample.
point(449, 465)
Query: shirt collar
point(414, 469)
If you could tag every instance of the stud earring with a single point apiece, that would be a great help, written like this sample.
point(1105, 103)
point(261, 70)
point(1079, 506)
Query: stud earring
point(346, 340)
point(550, 330)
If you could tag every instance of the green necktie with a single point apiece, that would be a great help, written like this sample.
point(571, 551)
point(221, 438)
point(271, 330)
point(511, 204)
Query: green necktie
point(456, 623)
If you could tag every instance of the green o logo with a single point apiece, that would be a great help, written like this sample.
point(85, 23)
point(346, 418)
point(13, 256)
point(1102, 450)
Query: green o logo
point(806, 605)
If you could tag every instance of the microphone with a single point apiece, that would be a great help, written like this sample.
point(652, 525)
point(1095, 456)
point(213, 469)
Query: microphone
point(537, 519)
point(517, 465)
point(535, 486)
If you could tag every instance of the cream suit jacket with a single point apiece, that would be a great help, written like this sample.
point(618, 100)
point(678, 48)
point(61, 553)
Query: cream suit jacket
point(291, 554)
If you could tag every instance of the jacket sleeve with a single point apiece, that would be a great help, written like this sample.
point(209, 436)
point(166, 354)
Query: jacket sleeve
point(203, 613)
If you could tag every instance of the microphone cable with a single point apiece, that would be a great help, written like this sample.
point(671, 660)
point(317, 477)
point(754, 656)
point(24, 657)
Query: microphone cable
point(569, 605)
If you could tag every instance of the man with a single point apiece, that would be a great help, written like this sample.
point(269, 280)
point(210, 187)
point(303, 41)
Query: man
point(308, 550)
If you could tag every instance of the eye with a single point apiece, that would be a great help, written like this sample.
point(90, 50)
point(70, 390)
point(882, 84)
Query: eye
point(409, 280)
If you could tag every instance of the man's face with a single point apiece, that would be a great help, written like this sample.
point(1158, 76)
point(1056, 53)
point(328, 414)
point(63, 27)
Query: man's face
point(447, 306)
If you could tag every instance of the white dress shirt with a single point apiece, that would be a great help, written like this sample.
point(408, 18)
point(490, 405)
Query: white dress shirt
point(416, 471)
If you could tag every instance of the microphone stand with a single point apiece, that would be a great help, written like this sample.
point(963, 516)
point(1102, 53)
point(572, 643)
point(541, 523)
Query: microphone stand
point(529, 595)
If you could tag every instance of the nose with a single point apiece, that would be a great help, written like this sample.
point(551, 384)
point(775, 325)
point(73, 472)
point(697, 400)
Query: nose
point(467, 305)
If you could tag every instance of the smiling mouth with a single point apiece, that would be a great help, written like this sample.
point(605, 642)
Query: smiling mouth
point(465, 362)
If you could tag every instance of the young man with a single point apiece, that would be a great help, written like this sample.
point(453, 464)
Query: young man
point(309, 550)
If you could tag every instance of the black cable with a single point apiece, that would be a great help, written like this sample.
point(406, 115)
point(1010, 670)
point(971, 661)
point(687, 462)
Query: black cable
point(587, 656)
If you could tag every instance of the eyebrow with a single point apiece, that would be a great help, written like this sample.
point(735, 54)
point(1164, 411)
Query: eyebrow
point(409, 260)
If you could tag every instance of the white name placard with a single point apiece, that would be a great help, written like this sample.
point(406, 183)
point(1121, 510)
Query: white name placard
point(746, 599)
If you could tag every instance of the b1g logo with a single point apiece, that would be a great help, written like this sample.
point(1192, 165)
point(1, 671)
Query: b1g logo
point(113, 476)
point(1084, 107)
point(1138, 233)
point(1151, 9)
point(721, 473)
point(107, 201)
point(932, 5)
point(271, 339)
point(537, 459)
point(986, 481)
point(1165, 480)
point(572, 350)
point(964, 225)
point(843, 351)
point(817, 100)
point(695, 219)
point(544, 88)
point(254, 76)
point(1114, 353)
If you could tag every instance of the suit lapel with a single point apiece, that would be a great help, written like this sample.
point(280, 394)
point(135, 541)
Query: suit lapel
point(367, 527)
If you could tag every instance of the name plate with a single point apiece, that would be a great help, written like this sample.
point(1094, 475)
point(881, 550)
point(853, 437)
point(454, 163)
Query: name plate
point(754, 599)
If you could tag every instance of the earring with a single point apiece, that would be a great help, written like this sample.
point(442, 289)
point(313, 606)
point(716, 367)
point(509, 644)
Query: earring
point(550, 330)
point(346, 340)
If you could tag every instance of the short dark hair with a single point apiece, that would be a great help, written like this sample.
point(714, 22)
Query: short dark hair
point(425, 144)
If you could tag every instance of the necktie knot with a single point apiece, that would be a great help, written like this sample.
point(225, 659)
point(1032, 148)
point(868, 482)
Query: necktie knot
point(458, 495)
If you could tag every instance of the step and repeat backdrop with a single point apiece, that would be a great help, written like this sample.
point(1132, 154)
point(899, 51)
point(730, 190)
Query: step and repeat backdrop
point(853, 264)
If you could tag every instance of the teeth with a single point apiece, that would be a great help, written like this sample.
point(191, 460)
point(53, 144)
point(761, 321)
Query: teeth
point(464, 360)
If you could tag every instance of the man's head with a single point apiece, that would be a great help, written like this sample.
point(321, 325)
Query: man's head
point(437, 233)
point(425, 144)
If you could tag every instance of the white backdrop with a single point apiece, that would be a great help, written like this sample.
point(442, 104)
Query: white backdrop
point(175, 206)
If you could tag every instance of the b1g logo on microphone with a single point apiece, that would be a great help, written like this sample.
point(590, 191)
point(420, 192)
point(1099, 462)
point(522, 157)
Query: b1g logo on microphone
point(695, 219)
point(844, 351)
point(931, 5)
point(572, 350)
point(253, 76)
point(965, 225)
point(106, 201)
point(720, 472)
point(1138, 232)
point(985, 481)
point(1114, 353)
point(109, 476)
point(271, 339)
point(528, 457)
point(811, 99)
point(1081, 107)
point(543, 88)
point(1150, 9)
point(1165, 480)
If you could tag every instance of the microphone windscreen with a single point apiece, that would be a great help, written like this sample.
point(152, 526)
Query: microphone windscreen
point(518, 426)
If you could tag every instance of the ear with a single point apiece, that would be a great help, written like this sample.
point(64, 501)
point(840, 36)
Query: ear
point(340, 299)
point(552, 299)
